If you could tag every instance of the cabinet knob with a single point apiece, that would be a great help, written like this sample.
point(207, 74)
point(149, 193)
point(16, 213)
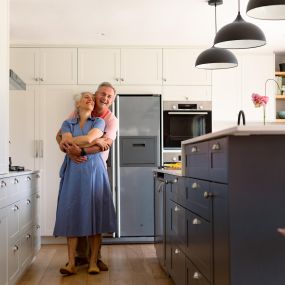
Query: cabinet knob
point(196, 222)
point(28, 202)
point(176, 209)
point(15, 208)
point(216, 146)
point(117, 79)
point(15, 248)
point(41, 79)
point(28, 236)
point(38, 226)
point(3, 184)
point(122, 79)
point(36, 79)
point(207, 194)
point(16, 181)
point(174, 181)
point(194, 149)
point(38, 196)
point(176, 251)
point(195, 185)
point(196, 275)
point(38, 176)
point(28, 178)
point(164, 79)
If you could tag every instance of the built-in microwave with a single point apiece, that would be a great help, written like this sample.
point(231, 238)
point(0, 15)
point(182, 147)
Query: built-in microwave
point(185, 120)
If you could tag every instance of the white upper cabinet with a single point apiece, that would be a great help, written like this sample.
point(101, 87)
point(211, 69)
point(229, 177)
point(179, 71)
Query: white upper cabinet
point(141, 66)
point(127, 66)
point(45, 65)
point(96, 65)
point(179, 68)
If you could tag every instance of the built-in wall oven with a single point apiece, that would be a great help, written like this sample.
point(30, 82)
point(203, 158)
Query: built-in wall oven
point(185, 120)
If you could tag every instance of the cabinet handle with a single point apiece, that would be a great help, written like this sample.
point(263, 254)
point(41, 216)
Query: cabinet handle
point(28, 202)
point(195, 185)
point(36, 79)
point(38, 176)
point(38, 196)
point(196, 275)
point(41, 79)
point(194, 149)
point(207, 194)
point(122, 79)
point(164, 79)
point(176, 209)
point(3, 184)
point(176, 251)
point(117, 79)
point(28, 178)
point(196, 222)
point(41, 144)
point(38, 226)
point(174, 181)
point(216, 146)
point(16, 181)
point(28, 236)
point(15, 248)
point(15, 208)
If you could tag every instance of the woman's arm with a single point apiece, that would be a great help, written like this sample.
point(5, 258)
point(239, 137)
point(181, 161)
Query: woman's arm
point(89, 138)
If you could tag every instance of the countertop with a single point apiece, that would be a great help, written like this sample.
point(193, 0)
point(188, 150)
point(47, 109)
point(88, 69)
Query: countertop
point(241, 131)
point(17, 173)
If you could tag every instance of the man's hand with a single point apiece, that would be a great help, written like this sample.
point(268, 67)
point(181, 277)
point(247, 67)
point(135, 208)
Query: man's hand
point(77, 159)
point(64, 144)
point(74, 150)
point(281, 231)
point(102, 143)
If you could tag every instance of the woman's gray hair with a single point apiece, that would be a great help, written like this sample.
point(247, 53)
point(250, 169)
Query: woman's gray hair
point(77, 97)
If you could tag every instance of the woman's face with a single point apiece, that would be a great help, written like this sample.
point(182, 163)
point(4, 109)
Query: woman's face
point(86, 101)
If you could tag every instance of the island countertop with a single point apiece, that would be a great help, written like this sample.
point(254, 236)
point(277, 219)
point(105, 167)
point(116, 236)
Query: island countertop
point(272, 129)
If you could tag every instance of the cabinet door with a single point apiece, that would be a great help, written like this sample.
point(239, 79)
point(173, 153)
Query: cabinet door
point(13, 261)
point(22, 127)
point(3, 248)
point(25, 62)
point(141, 66)
point(56, 103)
point(179, 68)
point(58, 66)
point(96, 65)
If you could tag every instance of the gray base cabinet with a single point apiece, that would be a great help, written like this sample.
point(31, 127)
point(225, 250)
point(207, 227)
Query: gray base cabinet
point(221, 219)
point(19, 224)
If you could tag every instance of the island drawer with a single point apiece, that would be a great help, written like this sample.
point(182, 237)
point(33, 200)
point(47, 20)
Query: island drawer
point(193, 275)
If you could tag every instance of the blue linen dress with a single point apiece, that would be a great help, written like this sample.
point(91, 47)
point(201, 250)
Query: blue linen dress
point(85, 205)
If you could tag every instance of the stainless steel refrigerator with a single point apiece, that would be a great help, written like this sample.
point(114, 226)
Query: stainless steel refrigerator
point(137, 150)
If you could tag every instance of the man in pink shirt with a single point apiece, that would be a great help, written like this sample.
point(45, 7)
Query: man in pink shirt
point(104, 97)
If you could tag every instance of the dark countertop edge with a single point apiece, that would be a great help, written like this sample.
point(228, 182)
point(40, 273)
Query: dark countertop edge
point(168, 171)
point(18, 173)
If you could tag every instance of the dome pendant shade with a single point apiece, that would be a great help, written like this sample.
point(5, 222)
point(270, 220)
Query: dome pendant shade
point(266, 9)
point(239, 35)
point(215, 58)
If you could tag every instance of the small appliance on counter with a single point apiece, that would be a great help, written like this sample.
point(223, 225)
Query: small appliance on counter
point(172, 160)
point(15, 167)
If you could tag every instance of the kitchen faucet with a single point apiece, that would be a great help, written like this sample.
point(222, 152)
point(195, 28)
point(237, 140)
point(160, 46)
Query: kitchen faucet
point(241, 113)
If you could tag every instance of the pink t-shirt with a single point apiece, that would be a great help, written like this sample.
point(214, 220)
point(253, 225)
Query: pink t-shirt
point(111, 128)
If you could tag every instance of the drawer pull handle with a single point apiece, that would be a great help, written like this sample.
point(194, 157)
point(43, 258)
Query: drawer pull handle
point(216, 146)
point(28, 236)
point(16, 181)
point(3, 184)
point(196, 222)
point(15, 248)
point(194, 149)
point(28, 178)
point(195, 185)
point(15, 208)
point(28, 202)
point(176, 251)
point(196, 275)
point(176, 209)
point(207, 194)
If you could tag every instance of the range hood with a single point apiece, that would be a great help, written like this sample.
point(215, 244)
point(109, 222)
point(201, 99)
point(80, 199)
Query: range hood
point(15, 82)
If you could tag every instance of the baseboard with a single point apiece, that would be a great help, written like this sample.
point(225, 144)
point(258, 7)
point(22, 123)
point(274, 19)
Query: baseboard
point(106, 240)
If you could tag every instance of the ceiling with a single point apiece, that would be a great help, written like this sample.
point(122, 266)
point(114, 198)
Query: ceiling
point(129, 22)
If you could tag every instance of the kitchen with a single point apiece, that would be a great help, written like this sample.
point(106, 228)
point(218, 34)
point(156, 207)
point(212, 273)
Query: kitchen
point(167, 68)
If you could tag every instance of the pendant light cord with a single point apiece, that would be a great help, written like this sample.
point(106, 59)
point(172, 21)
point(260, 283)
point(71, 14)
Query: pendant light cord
point(239, 6)
point(215, 18)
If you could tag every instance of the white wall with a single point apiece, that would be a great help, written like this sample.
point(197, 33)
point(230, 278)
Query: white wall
point(4, 85)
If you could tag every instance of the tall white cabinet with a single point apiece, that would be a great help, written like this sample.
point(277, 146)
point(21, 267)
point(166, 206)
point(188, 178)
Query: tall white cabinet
point(4, 85)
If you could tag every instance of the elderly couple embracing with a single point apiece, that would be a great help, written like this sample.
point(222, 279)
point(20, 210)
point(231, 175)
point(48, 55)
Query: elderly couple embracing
point(85, 207)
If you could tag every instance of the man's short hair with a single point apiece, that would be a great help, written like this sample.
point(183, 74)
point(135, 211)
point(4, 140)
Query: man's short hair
point(106, 84)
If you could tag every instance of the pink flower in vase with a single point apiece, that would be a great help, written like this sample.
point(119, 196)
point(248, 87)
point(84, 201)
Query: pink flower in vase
point(259, 101)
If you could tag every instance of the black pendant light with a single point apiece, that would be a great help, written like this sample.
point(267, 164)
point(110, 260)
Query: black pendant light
point(239, 35)
point(216, 58)
point(266, 9)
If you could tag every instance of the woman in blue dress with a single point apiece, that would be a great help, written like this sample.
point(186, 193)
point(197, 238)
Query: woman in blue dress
point(85, 206)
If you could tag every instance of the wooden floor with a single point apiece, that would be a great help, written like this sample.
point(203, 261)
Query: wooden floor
point(128, 264)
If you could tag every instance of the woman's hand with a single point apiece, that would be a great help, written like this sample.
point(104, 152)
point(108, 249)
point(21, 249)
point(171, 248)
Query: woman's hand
point(65, 143)
point(102, 143)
